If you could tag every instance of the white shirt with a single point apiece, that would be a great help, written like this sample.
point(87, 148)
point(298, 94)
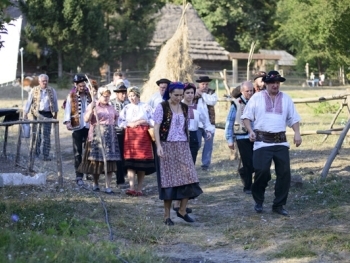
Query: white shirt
point(207, 99)
point(155, 100)
point(269, 116)
point(199, 116)
point(133, 112)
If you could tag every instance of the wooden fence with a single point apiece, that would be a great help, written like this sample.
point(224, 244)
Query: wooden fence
point(342, 132)
point(33, 139)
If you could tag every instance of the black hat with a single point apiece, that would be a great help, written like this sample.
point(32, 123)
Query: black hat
point(259, 74)
point(163, 81)
point(120, 87)
point(203, 79)
point(79, 78)
point(273, 76)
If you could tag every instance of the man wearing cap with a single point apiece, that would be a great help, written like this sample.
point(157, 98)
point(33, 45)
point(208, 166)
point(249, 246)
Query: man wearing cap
point(76, 104)
point(259, 84)
point(158, 96)
point(271, 110)
point(119, 103)
point(206, 99)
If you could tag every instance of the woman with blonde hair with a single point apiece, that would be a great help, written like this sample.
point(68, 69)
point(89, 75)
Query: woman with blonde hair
point(102, 134)
point(136, 118)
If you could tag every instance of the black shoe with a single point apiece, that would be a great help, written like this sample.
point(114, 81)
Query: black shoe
point(186, 217)
point(168, 222)
point(258, 208)
point(188, 210)
point(47, 159)
point(205, 168)
point(280, 210)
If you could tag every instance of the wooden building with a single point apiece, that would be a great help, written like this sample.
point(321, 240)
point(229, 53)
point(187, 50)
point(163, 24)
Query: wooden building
point(205, 51)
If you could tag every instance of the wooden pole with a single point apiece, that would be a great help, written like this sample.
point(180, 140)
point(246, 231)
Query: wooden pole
point(250, 56)
point(19, 142)
point(98, 127)
point(341, 106)
point(5, 141)
point(335, 150)
point(58, 154)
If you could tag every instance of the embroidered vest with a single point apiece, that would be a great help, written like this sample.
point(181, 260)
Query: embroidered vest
point(167, 117)
point(238, 126)
point(36, 100)
point(74, 112)
point(211, 109)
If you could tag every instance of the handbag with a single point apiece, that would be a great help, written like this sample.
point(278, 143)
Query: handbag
point(151, 133)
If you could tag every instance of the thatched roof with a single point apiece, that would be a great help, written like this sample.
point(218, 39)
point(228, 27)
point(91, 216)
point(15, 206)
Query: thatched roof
point(202, 43)
point(286, 58)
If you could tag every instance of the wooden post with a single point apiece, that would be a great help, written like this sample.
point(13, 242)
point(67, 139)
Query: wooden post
point(5, 141)
point(19, 142)
point(33, 141)
point(335, 151)
point(58, 154)
point(234, 71)
point(341, 106)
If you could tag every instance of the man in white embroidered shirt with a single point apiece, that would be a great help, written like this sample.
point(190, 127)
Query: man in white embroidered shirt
point(271, 110)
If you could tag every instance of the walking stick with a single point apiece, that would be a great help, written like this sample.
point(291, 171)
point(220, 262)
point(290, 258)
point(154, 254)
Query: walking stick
point(89, 85)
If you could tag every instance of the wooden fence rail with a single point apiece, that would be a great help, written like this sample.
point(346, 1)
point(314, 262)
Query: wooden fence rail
point(342, 132)
point(34, 137)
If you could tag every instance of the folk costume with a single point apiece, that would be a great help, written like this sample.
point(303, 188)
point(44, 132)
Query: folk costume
point(42, 103)
point(138, 153)
point(119, 106)
point(235, 130)
point(93, 158)
point(207, 102)
point(197, 115)
point(75, 108)
point(178, 177)
point(271, 115)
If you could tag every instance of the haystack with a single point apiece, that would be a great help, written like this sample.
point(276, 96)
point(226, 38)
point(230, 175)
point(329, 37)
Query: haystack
point(173, 62)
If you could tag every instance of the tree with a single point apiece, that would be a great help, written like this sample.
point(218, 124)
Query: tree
point(130, 26)
point(315, 31)
point(3, 18)
point(71, 29)
point(237, 23)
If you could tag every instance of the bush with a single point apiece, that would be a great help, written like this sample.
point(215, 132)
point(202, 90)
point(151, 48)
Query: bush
point(325, 107)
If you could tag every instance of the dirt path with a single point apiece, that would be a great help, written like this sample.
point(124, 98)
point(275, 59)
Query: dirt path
point(227, 229)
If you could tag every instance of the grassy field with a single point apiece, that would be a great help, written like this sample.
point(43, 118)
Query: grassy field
point(53, 224)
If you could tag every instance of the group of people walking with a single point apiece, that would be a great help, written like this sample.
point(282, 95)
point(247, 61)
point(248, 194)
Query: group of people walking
point(111, 134)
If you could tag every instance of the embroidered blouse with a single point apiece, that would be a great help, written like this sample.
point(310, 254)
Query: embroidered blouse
point(107, 115)
point(176, 131)
point(135, 112)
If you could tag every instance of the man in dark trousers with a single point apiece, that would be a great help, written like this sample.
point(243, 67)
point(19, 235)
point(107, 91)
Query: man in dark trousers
point(271, 110)
point(119, 102)
point(76, 104)
point(236, 131)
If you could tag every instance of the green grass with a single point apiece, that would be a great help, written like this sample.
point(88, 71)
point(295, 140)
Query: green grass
point(69, 225)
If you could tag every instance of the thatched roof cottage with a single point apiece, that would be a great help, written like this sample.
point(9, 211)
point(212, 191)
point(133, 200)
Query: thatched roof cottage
point(204, 50)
